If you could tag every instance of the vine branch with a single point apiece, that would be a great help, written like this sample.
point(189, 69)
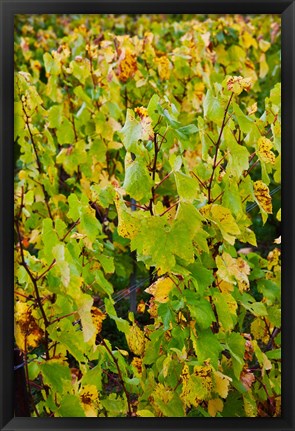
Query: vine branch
point(217, 145)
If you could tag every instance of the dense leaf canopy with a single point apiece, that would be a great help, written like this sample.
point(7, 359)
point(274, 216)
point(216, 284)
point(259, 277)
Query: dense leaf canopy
point(147, 167)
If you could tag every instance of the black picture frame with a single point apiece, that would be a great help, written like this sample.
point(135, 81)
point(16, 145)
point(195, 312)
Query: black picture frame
point(287, 10)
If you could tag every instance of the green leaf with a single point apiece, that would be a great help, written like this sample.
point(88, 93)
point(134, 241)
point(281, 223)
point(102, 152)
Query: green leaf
point(187, 187)
point(245, 122)
point(226, 310)
point(200, 309)
point(203, 275)
point(153, 109)
point(166, 315)
point(122, 324)
point(225, 221)
point(208, 347)
point(186, 132)
point(238, 159)
point(93, 377)
point(145, 413)
point(212, 108)
point(70, 337)
point(236, 345)
point(70, 406)
point(138, 182)
point(132, 132)
point(54, 374)
point(172, 409)
point(274, 354)
point(55, 116)
point(49, 239)
point(231, 198)
point(115, 406)
point(74, 205)
point(90, 226)
point(107, 263)
point(257, 308)
point(52, 65)
point(65, 132)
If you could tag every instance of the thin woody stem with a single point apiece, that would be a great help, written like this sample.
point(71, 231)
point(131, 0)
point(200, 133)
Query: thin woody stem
point(224, 121)
point(170, 208)
point(200, 181)
point(40, 169)
point(119, 373)
point(161, 182)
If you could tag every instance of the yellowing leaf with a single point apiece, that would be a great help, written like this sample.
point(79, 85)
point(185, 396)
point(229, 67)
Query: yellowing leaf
point(221, 384)
point(261, 192)
point(141, 307)
point(214, 406)
point(264, 68)
point(128, 224)
point(273, 258)
point(250, 405)
point(247, 378)
point(259, 330)
point(27, 332)
point(135, 340)
point(127, 65)
point(233, 270)
point(163, 67)
point(97, 317)
point(248, 40)
point(137, 365)
point(225, 221)
point(160, 289)
point(264, 150)
point(84, 310)
point(264, 45)
point(89, 400)
point(225, 286)
point(137, 182)
point(237, 84)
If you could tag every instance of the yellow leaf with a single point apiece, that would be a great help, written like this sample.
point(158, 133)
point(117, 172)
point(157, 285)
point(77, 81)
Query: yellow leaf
point(97, 317)
point(214, 406)
point(237, 84)
point(137, 365)
point(225, 286)
point(264, 150)
point(252, 109)
point(160, 289)
point(248, 40)
point(221, 384)
point(135, 340)
point(163, 67)
point(128, 225)
point(89, 400)
point(264, 68)
point(233, 270)
point(273, 258)
point(127, 65)
point(225, 221)
point(259, 330)
point(141, 307)
point(264, 45)
point(27, 332)
point(261, 192)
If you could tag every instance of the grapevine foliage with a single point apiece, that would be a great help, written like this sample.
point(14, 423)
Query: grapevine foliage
point(147, 154)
